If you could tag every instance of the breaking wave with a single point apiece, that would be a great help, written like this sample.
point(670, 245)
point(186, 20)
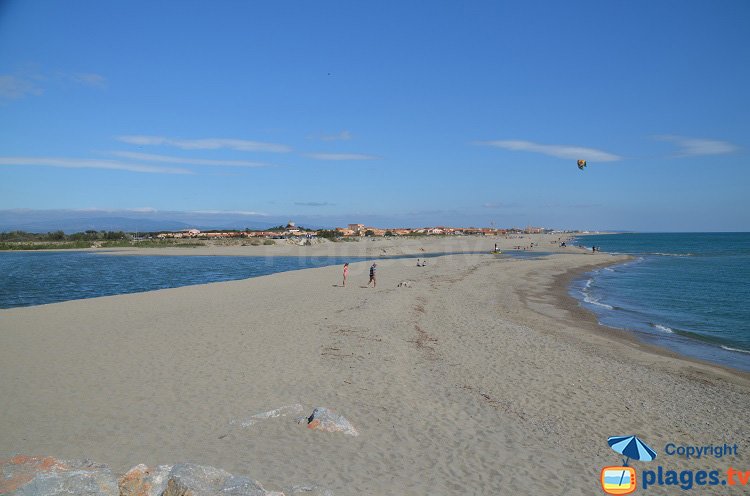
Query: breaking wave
point(663, 328)
point(735, 349)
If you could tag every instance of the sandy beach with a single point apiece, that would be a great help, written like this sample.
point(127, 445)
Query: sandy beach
point(481, 377)
point(374, 247)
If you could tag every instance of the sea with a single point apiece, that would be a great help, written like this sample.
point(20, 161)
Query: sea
point(688, 292)
point(39, 277)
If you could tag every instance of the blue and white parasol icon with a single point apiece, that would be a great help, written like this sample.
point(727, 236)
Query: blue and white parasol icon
point(631, 447)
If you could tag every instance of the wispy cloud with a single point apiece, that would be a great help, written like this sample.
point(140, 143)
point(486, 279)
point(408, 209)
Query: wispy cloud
point(30, 82)
point(205, 143)
point(342, 136)
point(572, 205)
point(341, 156)
point(690, 147)
point(498, 205)
point(144, 210)
point(228, 212)
point(148, 157)
point(314, 204)
point(13, 87)
point(76, 163)
point(559, 151)
point(88, 79)
point(139, 210)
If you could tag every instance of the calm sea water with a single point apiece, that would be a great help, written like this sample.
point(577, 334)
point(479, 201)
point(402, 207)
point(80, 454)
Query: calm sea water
point(34, 278)
point(688, 292)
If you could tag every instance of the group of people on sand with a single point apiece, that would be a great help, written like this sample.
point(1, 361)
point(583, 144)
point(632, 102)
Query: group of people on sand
point(372, 274)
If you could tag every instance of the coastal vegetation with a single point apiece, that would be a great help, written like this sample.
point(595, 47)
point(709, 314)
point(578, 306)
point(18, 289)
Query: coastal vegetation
point(58, 240)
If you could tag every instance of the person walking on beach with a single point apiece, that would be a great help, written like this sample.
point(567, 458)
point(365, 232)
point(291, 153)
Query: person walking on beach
point(346, 273)
point(372, 275)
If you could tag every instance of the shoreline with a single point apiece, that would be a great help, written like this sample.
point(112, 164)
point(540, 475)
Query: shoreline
point(562, 286)
point(379, 249)
point(674, 318)
point(382, 249)
point(463, 381)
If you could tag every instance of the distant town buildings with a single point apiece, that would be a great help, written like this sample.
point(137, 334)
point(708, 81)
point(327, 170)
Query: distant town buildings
point(353, 230)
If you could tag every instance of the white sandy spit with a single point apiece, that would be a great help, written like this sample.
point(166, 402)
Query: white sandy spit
point(482, 377)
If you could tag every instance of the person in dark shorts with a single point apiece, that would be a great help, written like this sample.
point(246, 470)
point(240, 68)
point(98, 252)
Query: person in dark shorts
point(372, 275)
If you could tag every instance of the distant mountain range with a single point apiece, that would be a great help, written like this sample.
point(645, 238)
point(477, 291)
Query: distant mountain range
point(72, 221)
point(150, 220)
point(100, 224)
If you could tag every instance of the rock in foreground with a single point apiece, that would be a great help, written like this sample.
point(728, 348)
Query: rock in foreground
point(37, 476)
point(186, 479)
point(46, 476)
point(323, 419)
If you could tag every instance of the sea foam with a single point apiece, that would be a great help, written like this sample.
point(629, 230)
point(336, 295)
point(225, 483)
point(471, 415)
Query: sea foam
point(663, 328)
point(734, 349)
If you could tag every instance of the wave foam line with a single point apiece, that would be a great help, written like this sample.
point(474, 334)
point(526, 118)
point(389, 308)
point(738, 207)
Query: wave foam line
point(672, 254)
point(596, 302)
point(663, 328)
point(734, 349)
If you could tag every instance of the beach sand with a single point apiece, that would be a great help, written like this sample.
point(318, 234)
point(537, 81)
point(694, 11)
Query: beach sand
point(374, 247)
point(483, 377)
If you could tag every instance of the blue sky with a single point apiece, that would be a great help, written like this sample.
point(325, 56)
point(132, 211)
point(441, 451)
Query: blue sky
point(391, 113)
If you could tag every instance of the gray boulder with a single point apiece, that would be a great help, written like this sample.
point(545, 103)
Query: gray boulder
point(47, 476)
point(187, 479)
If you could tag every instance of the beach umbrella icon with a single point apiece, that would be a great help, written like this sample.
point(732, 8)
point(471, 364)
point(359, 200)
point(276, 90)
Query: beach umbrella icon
point(631, 447)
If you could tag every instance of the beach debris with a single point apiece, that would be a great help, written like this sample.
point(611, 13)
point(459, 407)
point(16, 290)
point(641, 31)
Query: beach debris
point(282, 411)
point(187, 479)
point(581, 164)
point(404, 284)
point(326, 420)
point(44, 475)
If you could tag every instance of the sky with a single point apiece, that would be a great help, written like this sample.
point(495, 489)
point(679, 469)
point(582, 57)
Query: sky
point(389, 113)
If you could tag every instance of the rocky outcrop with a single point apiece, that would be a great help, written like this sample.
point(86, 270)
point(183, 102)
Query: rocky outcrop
point(46, 476)
point(186, 479)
